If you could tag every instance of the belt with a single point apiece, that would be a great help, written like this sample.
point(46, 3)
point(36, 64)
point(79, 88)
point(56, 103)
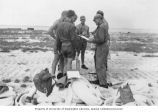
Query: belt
point(66, 41)
point(105, 42)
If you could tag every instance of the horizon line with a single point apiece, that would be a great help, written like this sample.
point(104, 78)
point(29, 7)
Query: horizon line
point(110, 27)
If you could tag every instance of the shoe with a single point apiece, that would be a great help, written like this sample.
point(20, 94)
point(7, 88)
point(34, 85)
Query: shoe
point(104, 86)
point(110, 84)
point(84, 67)
point(59, 75)
point(53, 77)
point(95, 82)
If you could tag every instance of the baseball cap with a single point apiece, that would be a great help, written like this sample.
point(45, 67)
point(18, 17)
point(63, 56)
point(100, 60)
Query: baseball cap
point(100, 12)
point(97, 16)
point(82, 17)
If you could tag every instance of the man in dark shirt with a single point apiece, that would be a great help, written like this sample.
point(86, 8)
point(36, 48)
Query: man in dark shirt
point(66, 35)
point(83, 29)
point(101, 52)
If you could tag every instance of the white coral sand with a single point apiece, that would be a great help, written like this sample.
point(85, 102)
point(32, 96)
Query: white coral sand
point(140, 72)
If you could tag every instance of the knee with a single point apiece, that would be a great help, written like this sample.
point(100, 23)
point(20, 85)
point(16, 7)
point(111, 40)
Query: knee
point(55, 61)
point(98, 68)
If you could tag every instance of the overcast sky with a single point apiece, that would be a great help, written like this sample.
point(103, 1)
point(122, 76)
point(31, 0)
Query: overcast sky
point(119, 13)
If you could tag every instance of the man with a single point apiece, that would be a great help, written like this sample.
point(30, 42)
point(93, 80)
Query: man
point(108, 36)
point(66, 35)
point(57, 56)
point(83, 29)
point(101, 52)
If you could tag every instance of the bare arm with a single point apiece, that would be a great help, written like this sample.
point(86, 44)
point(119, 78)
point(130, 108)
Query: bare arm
point(74, 38)
point(77, 30)
point(73, 33)
point(58, 44)
point(88, 35)
point(52, 29)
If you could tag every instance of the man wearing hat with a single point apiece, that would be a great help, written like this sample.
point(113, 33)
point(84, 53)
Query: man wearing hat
point(101, 52)
point(83, 29)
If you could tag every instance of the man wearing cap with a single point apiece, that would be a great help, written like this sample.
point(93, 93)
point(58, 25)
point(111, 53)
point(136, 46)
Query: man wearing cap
point(66, 33)
point(101, 52)
point(57, 56)
point(83, 29)
point(108, 36)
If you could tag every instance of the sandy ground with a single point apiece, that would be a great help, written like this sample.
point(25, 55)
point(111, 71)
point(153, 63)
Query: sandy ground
point(138, 71)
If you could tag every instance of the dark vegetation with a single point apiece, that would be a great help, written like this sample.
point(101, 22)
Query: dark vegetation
point(132, 42)
point(8, 41)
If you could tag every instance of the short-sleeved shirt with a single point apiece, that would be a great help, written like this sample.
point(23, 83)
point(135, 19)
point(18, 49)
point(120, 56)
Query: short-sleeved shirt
point(66, 35)
point(52, 33)
point(82, 30)
point(66, 31)
point(53, 28)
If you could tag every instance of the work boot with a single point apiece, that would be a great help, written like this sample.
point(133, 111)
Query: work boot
point(53, 77)
point(104, 86)
point(109, 84)
point(60, 75)
point(95, 82)
point(84, 67)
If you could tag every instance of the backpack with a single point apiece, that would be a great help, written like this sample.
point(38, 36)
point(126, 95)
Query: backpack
point(43, 82)
point(3, 88)
point(125, 95)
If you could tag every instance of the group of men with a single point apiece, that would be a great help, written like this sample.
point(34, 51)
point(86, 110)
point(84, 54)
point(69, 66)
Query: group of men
point(68, 44)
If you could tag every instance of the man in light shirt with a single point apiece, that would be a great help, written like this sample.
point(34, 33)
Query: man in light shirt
point(83, 29)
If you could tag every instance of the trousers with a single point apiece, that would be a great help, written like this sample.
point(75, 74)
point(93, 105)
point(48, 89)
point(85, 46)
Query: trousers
point(100, 59)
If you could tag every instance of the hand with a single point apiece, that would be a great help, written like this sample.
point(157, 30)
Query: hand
point(92, 36)
point(91, 40)
point(84, 33)
point(59, 52)
point(53, 81)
